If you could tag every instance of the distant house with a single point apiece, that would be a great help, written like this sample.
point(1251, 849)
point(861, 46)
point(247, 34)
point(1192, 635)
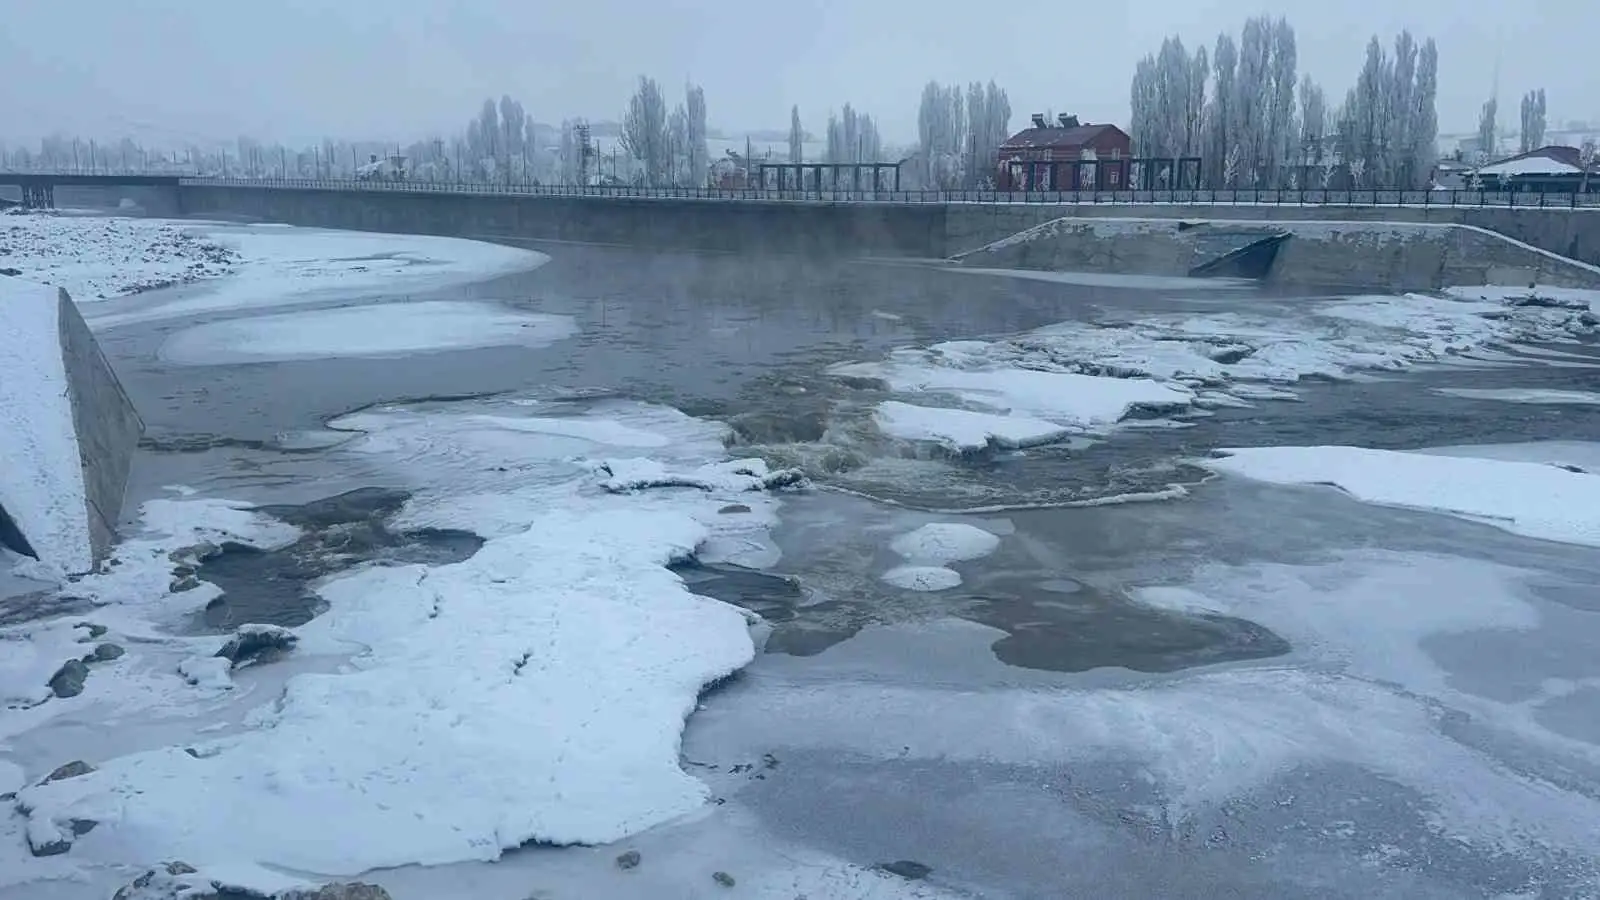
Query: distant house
point(1451, 175)
point(1059, 156)
point(1552, 170)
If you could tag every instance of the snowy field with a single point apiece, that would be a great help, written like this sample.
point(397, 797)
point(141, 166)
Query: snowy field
point(1432, 715)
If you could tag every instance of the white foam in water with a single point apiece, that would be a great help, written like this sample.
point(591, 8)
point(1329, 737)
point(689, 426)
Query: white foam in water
point(1526, 395)
point(388, 329)
point(1526, 498)
point(534, 692)
point(960, 430)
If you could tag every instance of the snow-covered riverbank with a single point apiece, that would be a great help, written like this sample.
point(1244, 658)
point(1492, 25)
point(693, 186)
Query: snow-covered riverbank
point(232, 267)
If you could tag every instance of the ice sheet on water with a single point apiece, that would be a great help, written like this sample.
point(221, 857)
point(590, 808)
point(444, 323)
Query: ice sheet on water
point(41, 478)
point(1250, 353)
point(962, 369)
point(536, 691)
point(964, 431)
point(1531, 499)
point(388, 329)
point(1583, 455)
point(1201, 740)
point(286, 266)
point(1526, 395)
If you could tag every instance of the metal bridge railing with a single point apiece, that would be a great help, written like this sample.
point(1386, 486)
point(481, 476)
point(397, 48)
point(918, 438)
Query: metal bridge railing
point(1351, 198)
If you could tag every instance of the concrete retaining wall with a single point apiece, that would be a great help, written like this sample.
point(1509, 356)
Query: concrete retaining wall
point(108, 426)
point(852, 229)
point(1376, 255)
point(1333, 244)
point(1568, 232)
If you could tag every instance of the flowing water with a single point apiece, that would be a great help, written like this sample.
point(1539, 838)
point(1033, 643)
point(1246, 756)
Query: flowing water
point(750, 342)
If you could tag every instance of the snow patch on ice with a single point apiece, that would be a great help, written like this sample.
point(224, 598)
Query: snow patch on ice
point(41, 475)
point(960, 369)
point(534, 692)
point(945, 542)
point(964, 431)
point(1531, 499)
point(923, 578)
point(388, 329)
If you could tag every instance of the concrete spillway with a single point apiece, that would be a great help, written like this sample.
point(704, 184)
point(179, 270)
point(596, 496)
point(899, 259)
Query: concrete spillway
point(67, 431)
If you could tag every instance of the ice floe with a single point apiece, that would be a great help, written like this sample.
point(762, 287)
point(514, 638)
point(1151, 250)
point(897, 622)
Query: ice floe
point(945, 542)
point(964, 431)
point(958, 369)
point(387, 329)
point(533, 692)
point(1526, 395)
point(1526, 498)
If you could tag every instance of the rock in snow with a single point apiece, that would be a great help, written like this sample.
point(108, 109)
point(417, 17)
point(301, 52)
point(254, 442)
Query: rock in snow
point(181, 881)
point(624, 476)
point(252, 644)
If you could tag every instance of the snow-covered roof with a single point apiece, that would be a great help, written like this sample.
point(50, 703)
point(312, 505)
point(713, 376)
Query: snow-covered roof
point(1532, 165)
point(1543, 161)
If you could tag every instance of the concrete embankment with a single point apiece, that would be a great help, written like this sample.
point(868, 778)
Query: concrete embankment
point(1395, 247)
point(67, 431)
point(743, 226)
point(1379, 255)
point(1573, 233)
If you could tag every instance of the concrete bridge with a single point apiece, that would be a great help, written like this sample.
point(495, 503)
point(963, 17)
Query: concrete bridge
point(850, 223)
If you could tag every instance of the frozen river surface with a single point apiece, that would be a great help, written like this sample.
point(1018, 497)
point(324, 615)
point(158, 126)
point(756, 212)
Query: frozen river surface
point(1064, 590)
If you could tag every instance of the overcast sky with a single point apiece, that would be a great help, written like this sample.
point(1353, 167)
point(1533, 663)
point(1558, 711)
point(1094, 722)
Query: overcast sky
point(296, 70)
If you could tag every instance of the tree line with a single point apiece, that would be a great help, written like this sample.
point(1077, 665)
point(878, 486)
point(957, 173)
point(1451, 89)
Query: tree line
point(1242, 109)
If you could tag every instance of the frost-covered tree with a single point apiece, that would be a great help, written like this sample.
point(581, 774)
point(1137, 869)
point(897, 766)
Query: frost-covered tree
point(1533, 120)
point(644, 131)
point(1424, 115)
point(699, 156)
point(1488, 135)
point(1279, 141)
point(988, 126)
point(1397, 141)
point(1365, 124)
point(942, 133)
point(797, 136)
point(1168, 100)
point(1220, 115)
point(1588, 158)
point(1313, 122)
point(678, 145)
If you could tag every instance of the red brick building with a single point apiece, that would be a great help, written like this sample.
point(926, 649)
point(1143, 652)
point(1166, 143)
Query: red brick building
point(1060, 156)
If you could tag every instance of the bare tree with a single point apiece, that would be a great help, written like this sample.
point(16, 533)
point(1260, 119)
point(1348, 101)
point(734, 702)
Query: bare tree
point(1488, 137)
point(644, 131)
point(797, 136)
point(1533, 120)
